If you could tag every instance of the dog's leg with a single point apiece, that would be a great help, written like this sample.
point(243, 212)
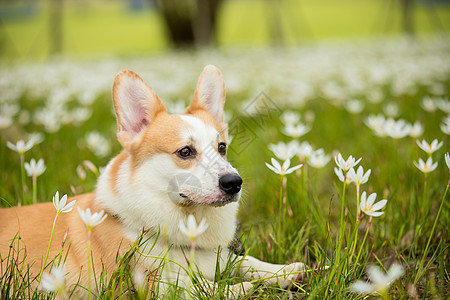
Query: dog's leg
point(251, 268)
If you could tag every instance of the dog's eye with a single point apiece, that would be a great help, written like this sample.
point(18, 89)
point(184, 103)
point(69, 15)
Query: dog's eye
point(222, 148)
point(184, 152)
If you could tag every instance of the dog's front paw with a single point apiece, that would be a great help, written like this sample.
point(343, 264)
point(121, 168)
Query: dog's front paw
point(239, 289)
point(288, 274)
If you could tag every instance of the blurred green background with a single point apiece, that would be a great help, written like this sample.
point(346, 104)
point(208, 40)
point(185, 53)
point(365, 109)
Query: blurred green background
point(39, 29)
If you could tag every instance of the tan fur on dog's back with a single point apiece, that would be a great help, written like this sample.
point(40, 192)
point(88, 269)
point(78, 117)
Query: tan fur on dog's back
point(34, 224)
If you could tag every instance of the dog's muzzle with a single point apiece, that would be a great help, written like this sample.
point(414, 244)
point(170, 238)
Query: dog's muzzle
point(230, 184)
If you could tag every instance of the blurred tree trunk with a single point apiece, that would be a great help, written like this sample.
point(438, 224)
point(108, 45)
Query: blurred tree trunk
point(190, 22)
point(276, 35)
point(407, 7)
point(55, 26)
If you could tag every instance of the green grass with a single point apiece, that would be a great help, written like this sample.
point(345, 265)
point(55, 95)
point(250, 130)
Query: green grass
point(108, 27)
point(311, 233)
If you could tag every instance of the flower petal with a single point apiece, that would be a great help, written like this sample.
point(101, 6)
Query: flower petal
point(69, 206)
point(377, 276)
point(286, 164)
point(379, 205)
point(275, 163)
point(289, 171)
point(273, 168)
point(362, 204)
point(374, 213)
point(362, 287)
point(371, 199)
point(395, 272)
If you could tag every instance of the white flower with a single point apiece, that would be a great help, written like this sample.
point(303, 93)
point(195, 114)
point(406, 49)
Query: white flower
point(444, 105)
point(359, 177)
point(36, 137)
point(139, 279)
point(318, 159)
point(354, 106)
point(81, 172)
point(379, 281)
point(376, 123)
point(296, 131)
point(346, 165)
point(428, 104)
point(391, 109)
point(60, 204)
point(191, 229)
point(368, 206)
point(55, 281)
point(80, 115)
point(92, 220)
point(340, 174)
point(429, 148)
point(446, 119)
point(20, 147)
point(397, 129)
point(304, 150)
point(426, 167)
point(290, 117)
point(9, 109)
point(5, 121)
point(35, 169)
point(98, 144)
point(282, 169)
point(447, 159)
point(445, 126)
point(375, 95)
point(416, 130)
point(284, 151)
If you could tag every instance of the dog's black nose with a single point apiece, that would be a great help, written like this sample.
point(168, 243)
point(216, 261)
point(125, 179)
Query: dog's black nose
point(230, 183)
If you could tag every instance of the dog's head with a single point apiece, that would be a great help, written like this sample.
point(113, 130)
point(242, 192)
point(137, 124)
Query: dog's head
point(182, 156)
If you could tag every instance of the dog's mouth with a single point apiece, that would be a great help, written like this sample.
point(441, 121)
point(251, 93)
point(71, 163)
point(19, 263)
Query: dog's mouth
point(222, 201)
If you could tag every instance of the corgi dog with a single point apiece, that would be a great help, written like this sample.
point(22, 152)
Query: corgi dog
point(171, 167)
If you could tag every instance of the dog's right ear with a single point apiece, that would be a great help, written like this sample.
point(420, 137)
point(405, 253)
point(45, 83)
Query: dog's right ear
point(135, 104)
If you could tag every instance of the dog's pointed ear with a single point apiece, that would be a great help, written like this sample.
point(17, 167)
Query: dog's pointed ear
point(135, 104)
point(210, 93)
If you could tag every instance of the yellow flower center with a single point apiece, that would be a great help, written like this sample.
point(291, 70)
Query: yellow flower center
point(368, 208)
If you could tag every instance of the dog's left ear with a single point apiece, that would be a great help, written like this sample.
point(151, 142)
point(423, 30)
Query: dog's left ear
point(210, 93)
point(136, 105)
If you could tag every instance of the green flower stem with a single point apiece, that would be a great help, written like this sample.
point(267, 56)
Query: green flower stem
point(305, 186)
point(358, 210)
point(358, 221)
point(22, 173)
point(285, 204)
point(364, 240)
point(425, 253)
point(341, 225)
point(34, 189)
point(384, 294)
point(49, 245)
point(280, 208)
point(191, 259)
point(355, 241)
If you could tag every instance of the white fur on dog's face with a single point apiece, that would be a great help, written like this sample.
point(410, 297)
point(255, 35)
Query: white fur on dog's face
point(150, 184)
point(148, 193)
point(202, 180)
